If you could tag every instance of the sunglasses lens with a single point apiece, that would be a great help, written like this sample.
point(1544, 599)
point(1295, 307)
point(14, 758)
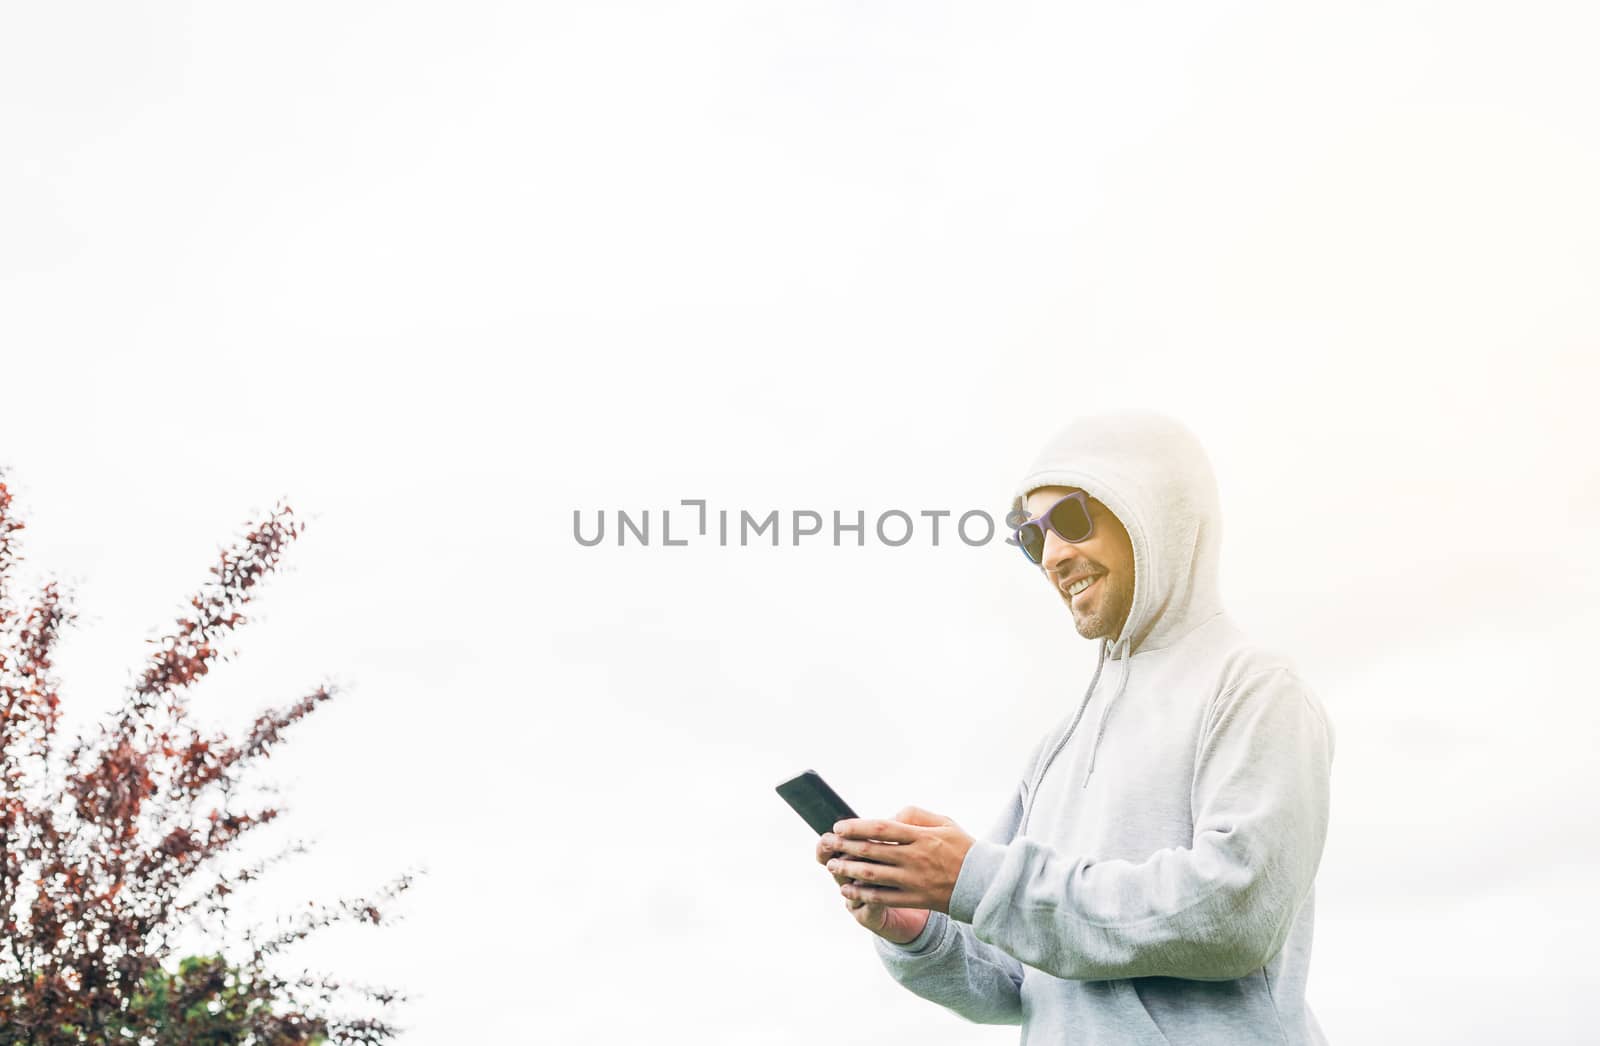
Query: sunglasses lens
point(1071, 520)
point(1031, 538)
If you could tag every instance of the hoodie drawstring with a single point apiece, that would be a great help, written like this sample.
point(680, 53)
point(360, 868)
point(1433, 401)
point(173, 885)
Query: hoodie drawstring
point(1127, 670)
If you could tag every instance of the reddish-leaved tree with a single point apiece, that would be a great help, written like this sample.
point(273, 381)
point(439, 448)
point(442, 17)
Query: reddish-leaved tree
point(112, 845)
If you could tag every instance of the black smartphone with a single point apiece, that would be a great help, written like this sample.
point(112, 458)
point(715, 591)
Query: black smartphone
point(820, 806)
point(817, 803)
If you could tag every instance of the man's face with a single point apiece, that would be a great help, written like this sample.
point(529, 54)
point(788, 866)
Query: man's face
point(1100, 610)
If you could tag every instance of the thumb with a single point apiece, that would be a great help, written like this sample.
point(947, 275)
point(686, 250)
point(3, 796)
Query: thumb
point(917, 815)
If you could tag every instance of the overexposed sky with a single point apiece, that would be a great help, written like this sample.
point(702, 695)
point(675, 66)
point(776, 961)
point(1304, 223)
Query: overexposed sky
point(442, 274)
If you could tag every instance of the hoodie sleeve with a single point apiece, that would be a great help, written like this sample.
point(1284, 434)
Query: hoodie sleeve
point(1212, 911)
point(948, 965)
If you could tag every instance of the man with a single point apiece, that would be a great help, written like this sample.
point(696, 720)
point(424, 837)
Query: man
point(1151, 881)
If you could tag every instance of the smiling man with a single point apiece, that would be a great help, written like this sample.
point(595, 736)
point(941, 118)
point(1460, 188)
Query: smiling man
point(1152, 878)
point(1092, 574)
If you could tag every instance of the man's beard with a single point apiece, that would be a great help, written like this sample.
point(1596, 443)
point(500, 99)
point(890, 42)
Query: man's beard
point(1111, 607)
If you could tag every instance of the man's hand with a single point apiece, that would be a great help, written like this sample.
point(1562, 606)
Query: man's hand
point(918, 856)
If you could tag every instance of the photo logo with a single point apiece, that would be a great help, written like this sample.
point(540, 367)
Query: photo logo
point(692, 522)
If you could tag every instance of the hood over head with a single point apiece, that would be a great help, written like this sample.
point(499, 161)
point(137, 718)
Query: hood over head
point(1154, 476)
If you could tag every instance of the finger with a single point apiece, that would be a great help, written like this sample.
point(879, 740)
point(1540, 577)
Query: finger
point(885, 874)
point(866, 829)
point(882, 896)
point(843, 847)
point(826, 853)
point(918, 816)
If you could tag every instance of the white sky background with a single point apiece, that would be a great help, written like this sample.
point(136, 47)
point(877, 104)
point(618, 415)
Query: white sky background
point(440, 275)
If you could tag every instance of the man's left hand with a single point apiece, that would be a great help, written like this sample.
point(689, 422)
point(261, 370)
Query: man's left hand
point(919, 853)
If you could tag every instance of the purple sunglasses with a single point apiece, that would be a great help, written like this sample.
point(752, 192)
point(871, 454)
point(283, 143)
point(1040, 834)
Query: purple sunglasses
point(1069, 518)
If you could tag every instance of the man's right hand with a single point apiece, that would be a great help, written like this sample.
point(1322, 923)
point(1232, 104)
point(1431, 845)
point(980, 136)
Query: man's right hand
point(900, 925)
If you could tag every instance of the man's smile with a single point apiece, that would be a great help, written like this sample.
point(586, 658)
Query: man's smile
point(1077, 586)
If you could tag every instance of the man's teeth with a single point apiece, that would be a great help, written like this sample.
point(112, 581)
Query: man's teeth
point(1082, 584)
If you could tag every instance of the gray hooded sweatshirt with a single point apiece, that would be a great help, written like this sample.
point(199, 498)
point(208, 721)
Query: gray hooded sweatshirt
point(1151, 879)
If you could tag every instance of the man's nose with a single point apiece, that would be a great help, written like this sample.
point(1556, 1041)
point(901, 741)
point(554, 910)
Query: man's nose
point(1058, 554)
